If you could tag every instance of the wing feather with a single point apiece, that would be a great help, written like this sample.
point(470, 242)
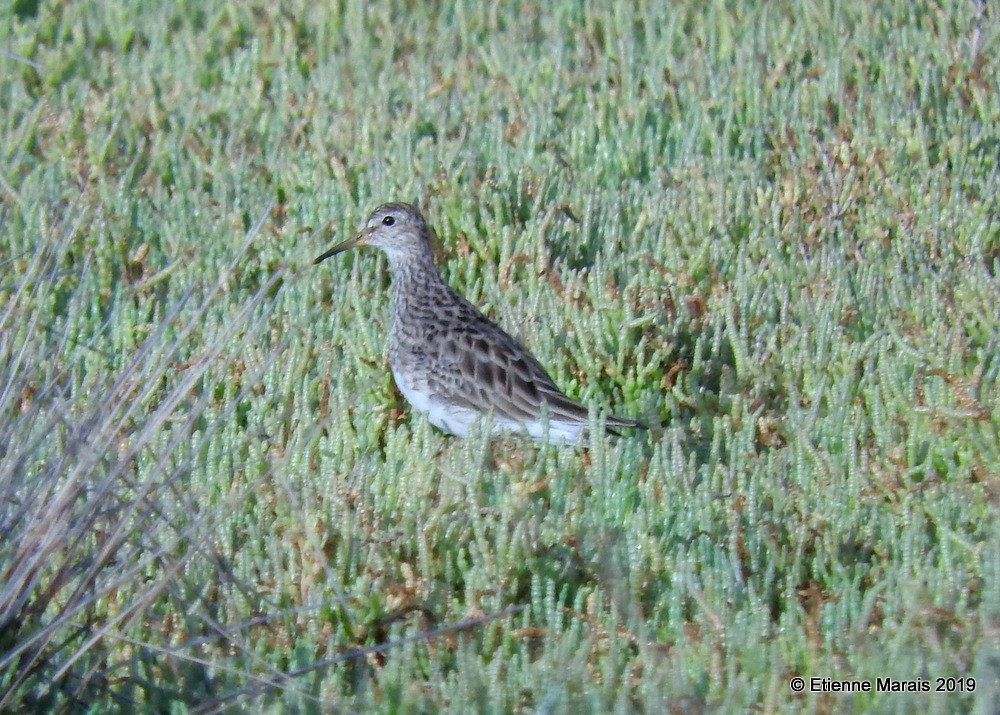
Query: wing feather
point(484, 369)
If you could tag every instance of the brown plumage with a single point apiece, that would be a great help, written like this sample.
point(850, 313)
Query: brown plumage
point(448, 359)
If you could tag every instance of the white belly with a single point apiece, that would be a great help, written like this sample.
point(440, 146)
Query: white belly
point(445, 417)
point(457, 421)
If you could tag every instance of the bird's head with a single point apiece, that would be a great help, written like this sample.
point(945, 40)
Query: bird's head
point(397, 228)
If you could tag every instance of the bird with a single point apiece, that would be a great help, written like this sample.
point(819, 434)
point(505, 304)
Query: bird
point(450, 361)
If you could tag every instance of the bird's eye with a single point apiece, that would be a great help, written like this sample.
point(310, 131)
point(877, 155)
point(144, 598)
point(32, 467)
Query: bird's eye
point(388, 221)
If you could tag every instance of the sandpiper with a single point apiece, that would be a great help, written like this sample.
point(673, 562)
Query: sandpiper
point(449, 360)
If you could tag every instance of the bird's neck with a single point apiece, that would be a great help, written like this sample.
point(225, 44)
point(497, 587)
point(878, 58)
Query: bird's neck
point(413, 277)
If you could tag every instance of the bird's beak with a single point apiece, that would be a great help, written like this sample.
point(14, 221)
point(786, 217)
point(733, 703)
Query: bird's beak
point(358, 240)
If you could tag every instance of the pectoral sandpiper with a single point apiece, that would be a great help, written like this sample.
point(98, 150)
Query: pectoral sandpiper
point(449, 360)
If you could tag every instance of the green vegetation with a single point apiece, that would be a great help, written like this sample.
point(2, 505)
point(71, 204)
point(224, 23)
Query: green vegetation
point(771, 229)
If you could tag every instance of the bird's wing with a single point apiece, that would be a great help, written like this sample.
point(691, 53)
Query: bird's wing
point(485, 369)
